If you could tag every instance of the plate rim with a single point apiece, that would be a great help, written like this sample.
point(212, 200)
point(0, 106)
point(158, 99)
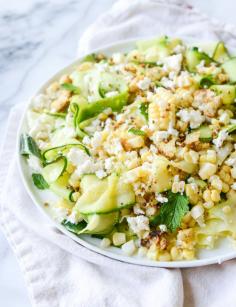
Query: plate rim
point(127, 43)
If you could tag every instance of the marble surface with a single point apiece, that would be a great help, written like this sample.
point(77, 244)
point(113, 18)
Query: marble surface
point(37, 38)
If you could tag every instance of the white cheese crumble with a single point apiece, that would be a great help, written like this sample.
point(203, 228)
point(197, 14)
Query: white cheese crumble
point(96, 140)
point(173, 63)
point(222, 136)
point(34, 163)
point(163, 228)
point(144, 84)
point(100, 174)
point(40, 102)
point(161, 199)
point(112, 94)
point(138, 224)
point(233, 186)
point(193, 117)
point(118, 58)
point(179, 49)
point(77, 156)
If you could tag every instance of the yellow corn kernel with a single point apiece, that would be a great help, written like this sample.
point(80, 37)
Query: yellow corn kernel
point(225, 187)
point(215, 196)
point(207, 195)
point(136, 142)
point(208, 204)
point(211, 156)
point(226, 209)
point(192, 194)
point(188, 254)
point(207, 170)
point(153, 252)
point(164, 256)
point(53, 87)
point(65, 79)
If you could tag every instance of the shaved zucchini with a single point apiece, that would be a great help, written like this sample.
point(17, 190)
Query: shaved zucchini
point(205, 133)
point(208, 48)
point(55, 152)
point(193, 57)
point(103, 196)
point(158, 48)
point(206, 82)
point(221, 53)
point(230, 68)
point(101, 224)
point(60, 187)
point(226, 91)
point(52, 171)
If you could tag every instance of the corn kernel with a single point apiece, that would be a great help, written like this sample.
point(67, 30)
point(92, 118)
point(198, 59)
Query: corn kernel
point(52, 88)
point(188, 254)
point(129, 248)
point(215, 196)
point(208, 204)
point(207, 195)
point(164, 256)
point(191, 156)
point(226, 209)
point(233, 172)
point(136, 142)
point(225, 187)
point(197, 211)
point(216, 182)
point(153, 252)
point(118, 238)
point(105, 242)
point(211, 156)
point(207, 170)
point(142, 251)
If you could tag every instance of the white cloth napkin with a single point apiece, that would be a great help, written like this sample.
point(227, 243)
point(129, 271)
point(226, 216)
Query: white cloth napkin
point(59, 272)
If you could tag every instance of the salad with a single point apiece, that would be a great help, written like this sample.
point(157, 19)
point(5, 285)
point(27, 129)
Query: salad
point(139, 148)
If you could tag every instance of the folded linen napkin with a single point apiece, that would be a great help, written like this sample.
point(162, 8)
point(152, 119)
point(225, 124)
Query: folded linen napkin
point(60, 272)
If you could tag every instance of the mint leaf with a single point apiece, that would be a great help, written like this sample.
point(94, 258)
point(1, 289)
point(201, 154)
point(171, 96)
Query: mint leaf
point(75, 228)
point(172, 212)
point(144, 110)
point(136, 131)
point(28, 146)
point(70, 87)
point(40, 182)
point(90, 58)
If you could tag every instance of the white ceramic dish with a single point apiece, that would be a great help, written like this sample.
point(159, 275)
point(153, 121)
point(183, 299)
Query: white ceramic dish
point(224, 251)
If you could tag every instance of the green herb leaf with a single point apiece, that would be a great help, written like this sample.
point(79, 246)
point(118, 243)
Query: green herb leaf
point(144, 110)
point(56, 114)
point(231, 128)
point(136, 131)
point(206, 82)
point(172, 212)
point(90, 58)
point(28, 146)
point(102, 91)
point(75, 228)
point(40, 182)
point(70, 87)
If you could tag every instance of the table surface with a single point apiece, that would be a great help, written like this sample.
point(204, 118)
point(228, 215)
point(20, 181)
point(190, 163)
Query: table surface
point(34, 33)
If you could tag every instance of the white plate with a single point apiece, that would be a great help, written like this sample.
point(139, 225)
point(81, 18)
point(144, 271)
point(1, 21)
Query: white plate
point(224, 251)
